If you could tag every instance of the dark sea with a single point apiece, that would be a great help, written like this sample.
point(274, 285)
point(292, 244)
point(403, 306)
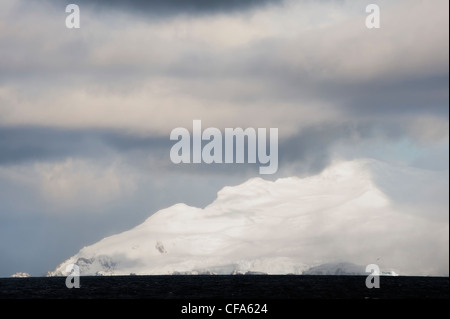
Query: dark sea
point(281, 294)
point(226, 287)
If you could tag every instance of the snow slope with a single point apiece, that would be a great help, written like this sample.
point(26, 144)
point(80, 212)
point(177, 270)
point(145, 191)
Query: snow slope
point(286, 226)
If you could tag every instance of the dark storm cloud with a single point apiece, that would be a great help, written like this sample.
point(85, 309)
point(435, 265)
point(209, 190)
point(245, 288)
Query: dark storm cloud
point(313, 147)
point(174, 7)
point(21, 145)
point(26, 144)
point(389, 97)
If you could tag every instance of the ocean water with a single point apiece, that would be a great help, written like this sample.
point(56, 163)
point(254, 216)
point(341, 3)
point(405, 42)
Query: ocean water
point(249, 287)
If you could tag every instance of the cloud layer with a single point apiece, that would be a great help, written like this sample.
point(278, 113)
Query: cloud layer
point(150, 77)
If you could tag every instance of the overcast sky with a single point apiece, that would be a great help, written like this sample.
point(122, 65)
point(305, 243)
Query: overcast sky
point(85, 114)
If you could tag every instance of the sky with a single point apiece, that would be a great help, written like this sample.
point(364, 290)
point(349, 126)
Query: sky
point(86, 114)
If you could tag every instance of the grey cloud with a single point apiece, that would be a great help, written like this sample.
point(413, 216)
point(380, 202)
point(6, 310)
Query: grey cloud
point(204, 73)
point(170, 7)
point(24, 144)
point(21, 145)
point(312, 148)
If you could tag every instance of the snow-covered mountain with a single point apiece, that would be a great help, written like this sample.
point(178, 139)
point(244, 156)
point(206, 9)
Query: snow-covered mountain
point(353, 211)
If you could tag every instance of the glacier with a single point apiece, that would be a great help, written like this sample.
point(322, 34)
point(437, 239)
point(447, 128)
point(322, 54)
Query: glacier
point(349, 214)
